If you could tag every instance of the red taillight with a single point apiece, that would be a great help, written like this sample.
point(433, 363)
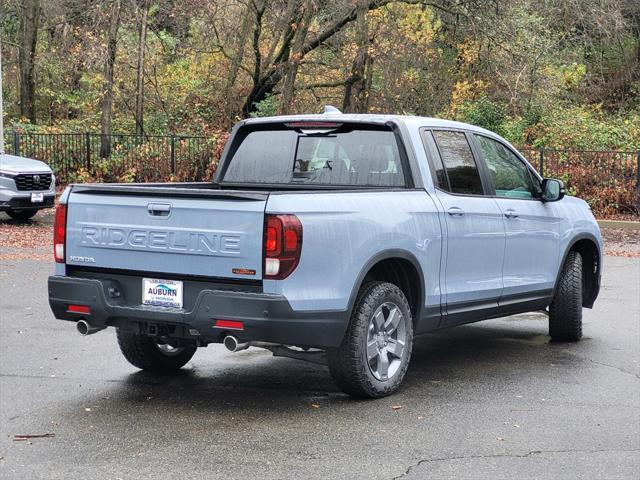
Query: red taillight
point(271, 239)
point(79, 309)
point(59, 232)
point(282, 246)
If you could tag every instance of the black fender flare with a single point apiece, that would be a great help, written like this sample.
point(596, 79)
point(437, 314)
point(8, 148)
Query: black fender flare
point(570, 245)
point(384, 255)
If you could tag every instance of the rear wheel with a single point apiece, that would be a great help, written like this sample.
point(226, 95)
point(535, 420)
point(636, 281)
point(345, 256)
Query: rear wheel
point(565, 311)
point(374, 356)
point(21, 215)
point(147, 353)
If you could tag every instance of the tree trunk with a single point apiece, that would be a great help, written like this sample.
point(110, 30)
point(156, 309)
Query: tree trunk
point(366, 93)
point(355, 92)
point(254, 97)
point(26, 57)
point(142, 42)
point(238, 56)
point(301, 30)
point(1, 110)
point(107, 85)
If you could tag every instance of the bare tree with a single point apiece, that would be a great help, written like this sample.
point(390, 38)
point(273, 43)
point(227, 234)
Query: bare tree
point(142, 42)
point(1, 106)
point(238, 56)
point(355, 91)
point(304, 11)
point(107, 85)
point(29, 23)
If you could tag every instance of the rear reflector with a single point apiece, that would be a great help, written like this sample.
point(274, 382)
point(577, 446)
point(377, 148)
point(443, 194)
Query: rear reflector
point(229, 324)
point(79, 309)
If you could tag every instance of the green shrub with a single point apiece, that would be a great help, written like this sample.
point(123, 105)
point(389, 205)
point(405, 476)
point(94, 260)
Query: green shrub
point(266, 108)
point(576, 127)
point(484, 113)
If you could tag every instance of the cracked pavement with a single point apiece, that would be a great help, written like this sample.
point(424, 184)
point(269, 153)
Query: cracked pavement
point(490, 400)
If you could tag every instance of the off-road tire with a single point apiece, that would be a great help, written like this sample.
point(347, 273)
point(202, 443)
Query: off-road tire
point(348, 363)
point(22, 215)
point(142, 351)
point(565, 311)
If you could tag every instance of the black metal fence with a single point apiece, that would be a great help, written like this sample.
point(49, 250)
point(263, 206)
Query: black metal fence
point(609, 180)
point(91, 156)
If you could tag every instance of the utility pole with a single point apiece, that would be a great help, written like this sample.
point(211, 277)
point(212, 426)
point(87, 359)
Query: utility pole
point(1, 101)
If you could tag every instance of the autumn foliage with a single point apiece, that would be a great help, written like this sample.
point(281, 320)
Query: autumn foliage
point(553, 74)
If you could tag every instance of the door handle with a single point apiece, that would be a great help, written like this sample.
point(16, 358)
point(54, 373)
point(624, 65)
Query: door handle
point(455, 212)
point(510, 213)
point(159, 209)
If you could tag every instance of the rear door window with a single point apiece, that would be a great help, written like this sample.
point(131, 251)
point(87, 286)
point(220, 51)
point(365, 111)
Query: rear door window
point(460, 166)
point(343, 156)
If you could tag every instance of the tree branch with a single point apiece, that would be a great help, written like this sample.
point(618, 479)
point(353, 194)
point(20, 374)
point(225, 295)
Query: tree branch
point(337, 83)
point(373, 5)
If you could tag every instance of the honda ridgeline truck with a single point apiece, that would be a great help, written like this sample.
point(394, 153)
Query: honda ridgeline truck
point(333, 238)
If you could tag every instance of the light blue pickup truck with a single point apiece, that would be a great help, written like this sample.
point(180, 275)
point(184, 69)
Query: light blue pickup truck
point(333, 238)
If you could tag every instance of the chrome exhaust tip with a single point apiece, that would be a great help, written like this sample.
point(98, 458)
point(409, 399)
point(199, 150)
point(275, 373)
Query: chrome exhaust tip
point(84, 328)
point(231, 343)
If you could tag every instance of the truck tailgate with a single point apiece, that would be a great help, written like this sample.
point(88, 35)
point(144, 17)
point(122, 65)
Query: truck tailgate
point(212, 235)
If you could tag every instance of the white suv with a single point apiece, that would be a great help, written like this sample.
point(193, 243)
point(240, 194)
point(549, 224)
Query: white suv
point(26, 186)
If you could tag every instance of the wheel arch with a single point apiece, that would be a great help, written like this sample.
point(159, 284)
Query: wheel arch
point(587, 245)
point(399, 267)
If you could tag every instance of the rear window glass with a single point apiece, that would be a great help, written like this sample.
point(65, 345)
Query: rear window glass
point(458, 160)
point(343, 156)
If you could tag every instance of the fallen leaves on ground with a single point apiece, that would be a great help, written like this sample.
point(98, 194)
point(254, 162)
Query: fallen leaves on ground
point(32, 239)
point(621, 242)
point(40, 257)
point(26, 235)
point(621, 252)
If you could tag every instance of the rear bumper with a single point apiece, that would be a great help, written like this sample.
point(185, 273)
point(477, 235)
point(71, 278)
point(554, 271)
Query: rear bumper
point(266, 317)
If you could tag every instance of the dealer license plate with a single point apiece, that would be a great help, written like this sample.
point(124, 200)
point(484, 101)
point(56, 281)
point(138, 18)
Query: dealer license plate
point(162, 293)
point(37, 197)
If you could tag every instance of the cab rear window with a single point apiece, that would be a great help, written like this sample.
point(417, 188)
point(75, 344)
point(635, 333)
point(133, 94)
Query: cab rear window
point(340, 155)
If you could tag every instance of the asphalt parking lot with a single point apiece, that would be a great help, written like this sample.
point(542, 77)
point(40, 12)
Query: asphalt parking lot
point(489, 400)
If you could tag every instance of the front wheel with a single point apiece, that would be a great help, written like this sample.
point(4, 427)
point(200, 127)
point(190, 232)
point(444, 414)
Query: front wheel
point(565, 311)
point(148, 354)
point(374, 355)
point(21, 214)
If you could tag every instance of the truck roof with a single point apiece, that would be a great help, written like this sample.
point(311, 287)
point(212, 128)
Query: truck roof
point(409, 120)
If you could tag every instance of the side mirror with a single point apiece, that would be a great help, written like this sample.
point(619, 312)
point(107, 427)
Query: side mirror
point(552, 190)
